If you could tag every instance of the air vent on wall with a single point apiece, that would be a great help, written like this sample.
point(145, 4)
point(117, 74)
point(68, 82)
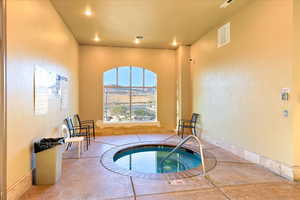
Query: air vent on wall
point(139, 37)
point(223, 35)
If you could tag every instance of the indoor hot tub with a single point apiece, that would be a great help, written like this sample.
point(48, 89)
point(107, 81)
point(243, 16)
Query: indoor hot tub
point(148, 160)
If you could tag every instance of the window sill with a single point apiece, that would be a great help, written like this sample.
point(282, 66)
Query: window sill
point(130, 124)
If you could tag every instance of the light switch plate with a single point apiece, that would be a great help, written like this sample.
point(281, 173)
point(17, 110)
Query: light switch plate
point(285, 113)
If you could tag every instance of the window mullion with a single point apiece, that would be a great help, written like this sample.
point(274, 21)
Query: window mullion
point(130, 93)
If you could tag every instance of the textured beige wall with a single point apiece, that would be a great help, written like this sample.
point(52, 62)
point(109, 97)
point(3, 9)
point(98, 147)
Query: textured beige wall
point(36, 36)
point(184, 101)
point(237, 88)
point(296, 83)
point(95, 60)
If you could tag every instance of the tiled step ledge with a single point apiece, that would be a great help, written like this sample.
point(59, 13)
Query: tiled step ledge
point(131, 130)
point(292, 173)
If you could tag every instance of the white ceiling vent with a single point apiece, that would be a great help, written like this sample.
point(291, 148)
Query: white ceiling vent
point(223, 35)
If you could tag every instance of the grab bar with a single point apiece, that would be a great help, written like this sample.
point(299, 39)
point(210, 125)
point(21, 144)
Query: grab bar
point(182, 143)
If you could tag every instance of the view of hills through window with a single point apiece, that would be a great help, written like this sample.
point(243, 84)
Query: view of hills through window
point(129, 95)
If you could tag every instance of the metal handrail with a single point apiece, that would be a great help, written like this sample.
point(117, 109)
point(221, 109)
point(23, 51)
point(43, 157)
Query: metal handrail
point(182, 143)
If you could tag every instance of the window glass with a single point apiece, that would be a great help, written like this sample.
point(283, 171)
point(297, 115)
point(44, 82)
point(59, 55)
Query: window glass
point(116, 104)
point(137, 76)
point(150, 79)
point(129, 100)
point(143, 104)
point(124, 76)
point(110, 77)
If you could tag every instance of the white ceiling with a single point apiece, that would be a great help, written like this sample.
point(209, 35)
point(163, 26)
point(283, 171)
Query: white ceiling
point(117, 22)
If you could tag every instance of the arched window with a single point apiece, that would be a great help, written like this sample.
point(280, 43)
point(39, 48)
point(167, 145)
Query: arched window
point(129, 95)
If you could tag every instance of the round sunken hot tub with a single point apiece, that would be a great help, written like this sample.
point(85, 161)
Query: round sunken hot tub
point(151, 159)
point(147, 160)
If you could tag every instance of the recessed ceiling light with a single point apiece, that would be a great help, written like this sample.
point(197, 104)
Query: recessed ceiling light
point(174, 43)
point(136, 41)
point(88, 12)
point(96, 39)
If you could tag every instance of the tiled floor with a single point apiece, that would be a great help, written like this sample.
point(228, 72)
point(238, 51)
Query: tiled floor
point(232, 179)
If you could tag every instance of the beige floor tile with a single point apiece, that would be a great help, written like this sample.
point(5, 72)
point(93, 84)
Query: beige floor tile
point(118, 139)
point(233, 174)
point(29, 195)
point(207, 145)
point(85, 179)
point(205, 194)
point(225, 156)
point(174, 139)
point(145, 186)
point(153, 137)
point(37, 192)
point(96, 149)
point(177, 139)
point(271, 191)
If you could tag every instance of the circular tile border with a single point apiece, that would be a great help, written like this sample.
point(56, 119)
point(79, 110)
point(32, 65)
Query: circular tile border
point(108, 163)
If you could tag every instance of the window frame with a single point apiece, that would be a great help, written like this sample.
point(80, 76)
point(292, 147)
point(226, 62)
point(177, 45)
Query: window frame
point(130, 87)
